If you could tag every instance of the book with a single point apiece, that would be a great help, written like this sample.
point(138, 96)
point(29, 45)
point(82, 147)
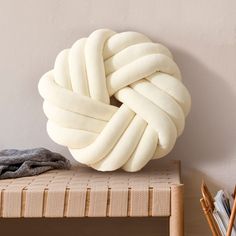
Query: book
point(222, 212)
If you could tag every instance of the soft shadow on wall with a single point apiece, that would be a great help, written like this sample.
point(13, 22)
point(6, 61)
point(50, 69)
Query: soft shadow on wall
point(207, 145)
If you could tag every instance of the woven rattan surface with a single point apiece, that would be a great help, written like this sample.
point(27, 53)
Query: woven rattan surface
point(83, 192)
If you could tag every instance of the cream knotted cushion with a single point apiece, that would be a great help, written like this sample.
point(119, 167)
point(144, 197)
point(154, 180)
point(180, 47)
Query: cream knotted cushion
point(138, 73)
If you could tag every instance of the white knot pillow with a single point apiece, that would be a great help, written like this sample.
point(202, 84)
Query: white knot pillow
point(138, 73)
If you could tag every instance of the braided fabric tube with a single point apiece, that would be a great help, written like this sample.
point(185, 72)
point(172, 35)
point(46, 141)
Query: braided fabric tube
point(82, 92)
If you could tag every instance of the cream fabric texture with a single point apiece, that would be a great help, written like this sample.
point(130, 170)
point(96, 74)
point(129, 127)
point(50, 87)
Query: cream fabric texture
point(109, 66)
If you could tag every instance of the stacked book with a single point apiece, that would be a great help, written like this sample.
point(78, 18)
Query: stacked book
point(219, 211)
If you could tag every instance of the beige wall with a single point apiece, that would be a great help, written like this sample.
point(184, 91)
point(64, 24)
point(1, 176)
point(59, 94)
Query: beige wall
point(202, 37)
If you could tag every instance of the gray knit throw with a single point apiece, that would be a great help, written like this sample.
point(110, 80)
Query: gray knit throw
point(18, 163)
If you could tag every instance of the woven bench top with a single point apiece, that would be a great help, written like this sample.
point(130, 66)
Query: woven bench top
point(83, 192)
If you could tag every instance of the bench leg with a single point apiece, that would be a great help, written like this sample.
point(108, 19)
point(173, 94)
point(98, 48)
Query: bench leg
point(176, 222)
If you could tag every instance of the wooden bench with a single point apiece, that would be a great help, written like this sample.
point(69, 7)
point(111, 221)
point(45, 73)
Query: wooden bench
point(156, 191)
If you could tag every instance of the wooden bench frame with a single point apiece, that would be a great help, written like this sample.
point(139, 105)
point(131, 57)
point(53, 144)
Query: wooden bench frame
point(155, 191)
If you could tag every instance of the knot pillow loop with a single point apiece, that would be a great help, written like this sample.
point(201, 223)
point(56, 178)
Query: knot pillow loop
point(123, 67)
